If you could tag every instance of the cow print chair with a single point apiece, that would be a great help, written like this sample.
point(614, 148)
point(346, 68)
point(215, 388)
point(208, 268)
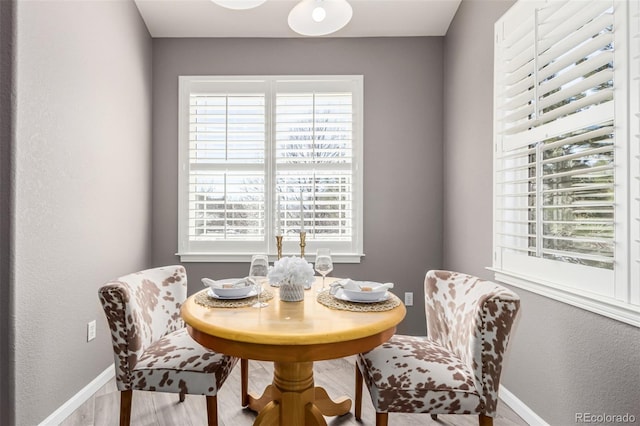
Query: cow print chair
point(456, 368)
point(152, 349)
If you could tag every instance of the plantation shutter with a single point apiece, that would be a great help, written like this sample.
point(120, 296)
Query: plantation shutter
point(226, 163)
point(314, 136)
point(266, 154)
point(555, 138)
point(634, 38)
point(226, 188)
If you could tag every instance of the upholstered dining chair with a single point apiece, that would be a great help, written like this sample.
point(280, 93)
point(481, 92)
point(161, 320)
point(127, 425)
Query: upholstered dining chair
point(151, 347)
point(456, 368)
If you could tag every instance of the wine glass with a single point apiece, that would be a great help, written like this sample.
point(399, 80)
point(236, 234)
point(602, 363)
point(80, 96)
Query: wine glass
point(257, 274)
point(323, 264)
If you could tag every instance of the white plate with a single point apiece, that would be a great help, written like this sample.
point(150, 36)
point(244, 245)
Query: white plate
point(340, 295)
point(252, 293)
point(227, 292)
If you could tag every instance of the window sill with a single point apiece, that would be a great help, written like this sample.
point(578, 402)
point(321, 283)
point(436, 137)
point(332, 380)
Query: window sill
point(620, 311)
point(246, 258)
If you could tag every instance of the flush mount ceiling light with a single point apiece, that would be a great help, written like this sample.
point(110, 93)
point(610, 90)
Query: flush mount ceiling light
point(319, 17)
point(239, 4)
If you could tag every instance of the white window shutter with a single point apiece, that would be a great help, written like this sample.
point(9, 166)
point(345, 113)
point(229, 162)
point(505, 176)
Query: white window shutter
point(264, 152)
point(557, 181)
point(567, 156)
point(226, 166)
point(634, 79)
point(314, 163)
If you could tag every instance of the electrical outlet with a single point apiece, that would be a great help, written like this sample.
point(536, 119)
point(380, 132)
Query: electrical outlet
point(408, 299)
point(91, 330)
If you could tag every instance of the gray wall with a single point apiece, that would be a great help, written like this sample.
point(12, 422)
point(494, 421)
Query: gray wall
point(6, 141)
point(82, 194)
point(82, 187)
point(562, 360)
point(403, 114)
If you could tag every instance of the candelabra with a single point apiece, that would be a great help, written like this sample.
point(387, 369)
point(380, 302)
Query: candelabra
point(303, 236)
point(279, 245)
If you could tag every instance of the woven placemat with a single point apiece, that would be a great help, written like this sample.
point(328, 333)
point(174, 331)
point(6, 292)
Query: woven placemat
point(202, 298)
point(331, 302)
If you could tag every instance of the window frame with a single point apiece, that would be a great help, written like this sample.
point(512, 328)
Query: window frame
point(548, 277)
point(233, 252)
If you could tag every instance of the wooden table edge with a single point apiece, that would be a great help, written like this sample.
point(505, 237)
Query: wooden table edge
point(291, 353)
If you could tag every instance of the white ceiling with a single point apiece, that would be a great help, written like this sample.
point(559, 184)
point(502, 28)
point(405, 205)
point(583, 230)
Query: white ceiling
point(371, 18)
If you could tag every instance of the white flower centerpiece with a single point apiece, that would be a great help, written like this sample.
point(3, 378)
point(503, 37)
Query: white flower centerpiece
point(293, 275)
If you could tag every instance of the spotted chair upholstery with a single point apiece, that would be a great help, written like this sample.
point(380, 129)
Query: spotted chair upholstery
point(456, 369)
point(151, 347)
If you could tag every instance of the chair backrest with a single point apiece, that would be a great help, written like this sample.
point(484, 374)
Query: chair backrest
point(141, 308)
point(472, 318)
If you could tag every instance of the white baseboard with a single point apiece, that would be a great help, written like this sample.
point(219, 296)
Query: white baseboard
point(520, 408)
point(66, 409)
point(80, 398)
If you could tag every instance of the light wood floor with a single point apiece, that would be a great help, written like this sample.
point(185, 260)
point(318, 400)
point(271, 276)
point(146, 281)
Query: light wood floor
point(336, 376)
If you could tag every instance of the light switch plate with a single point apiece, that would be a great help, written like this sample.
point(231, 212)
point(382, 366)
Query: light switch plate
point(408, 299)
point(91, 330)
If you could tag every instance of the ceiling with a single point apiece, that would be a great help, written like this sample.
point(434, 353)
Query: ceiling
point(371, 18)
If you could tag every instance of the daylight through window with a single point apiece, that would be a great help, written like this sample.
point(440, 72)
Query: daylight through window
point(562, 132)
point(262, 155)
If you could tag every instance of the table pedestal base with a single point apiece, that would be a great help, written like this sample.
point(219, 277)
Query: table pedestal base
point(292, 392)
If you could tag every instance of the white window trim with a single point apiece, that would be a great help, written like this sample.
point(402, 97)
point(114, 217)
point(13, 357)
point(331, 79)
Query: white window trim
point(290, 247)
point(627, 271)
point(244, 257)
point(611, 308)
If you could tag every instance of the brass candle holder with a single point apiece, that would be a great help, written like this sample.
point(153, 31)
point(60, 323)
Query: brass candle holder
point(303, 236)
point(279, 245)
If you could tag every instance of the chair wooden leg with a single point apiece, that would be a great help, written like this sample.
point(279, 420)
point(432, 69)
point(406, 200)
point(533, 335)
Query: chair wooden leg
point(125, 407)
point(358, 402)
point(434, 417)
point(485, 420)
point(382, 419)
point(244, 381)
point(212, 410)
point(182, 396)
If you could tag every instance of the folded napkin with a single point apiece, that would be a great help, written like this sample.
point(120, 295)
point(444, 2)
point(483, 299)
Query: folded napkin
point(242, 282)
point(350, 284)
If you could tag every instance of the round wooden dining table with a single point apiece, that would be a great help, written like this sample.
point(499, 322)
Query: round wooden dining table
point(293, 335)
